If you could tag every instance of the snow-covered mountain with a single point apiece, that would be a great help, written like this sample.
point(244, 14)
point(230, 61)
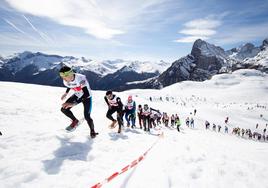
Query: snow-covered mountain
point(247, 50)
point(260, 60)
point(110, 67)
point(18, 61)
point(264, 44)
point(35, 150)
point(1, 61)
point(206, 60)
point(41, 68)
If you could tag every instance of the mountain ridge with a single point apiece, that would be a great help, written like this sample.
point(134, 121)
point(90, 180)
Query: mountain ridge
point(204, 61)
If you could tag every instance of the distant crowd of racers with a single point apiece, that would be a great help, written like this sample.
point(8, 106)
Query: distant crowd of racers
point(257, 134)
point(149, 118)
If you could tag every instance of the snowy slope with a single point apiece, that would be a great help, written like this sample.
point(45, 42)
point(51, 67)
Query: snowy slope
point(35, 151)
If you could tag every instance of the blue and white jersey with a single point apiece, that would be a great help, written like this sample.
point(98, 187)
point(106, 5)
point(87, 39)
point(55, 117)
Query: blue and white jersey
point(130, 105)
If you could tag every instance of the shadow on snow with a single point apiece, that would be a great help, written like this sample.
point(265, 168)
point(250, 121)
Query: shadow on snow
point(75, 151)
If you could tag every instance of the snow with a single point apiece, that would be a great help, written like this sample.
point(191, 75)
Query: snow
point(260, 59)
point(149, 67)
point(244, 51)
point(42, 61)
point(143, 81)
point(109, 67)
point(19, 60)
point(35, 150)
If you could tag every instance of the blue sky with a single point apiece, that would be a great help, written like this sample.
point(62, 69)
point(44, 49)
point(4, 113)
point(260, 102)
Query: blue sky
point(128, 29)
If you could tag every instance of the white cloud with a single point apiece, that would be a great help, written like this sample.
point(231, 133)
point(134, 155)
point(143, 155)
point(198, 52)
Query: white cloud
point(190, 39)
point(206, 23)
point(102, 19)
point(199, 29)
point(196, 32)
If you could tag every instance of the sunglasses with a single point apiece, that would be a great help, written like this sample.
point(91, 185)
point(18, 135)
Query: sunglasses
point(66, 74)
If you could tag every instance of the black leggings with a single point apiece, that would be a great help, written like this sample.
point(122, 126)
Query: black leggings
point(140, 120)
point(120, 114)
point(87, 103)
point(146, 123)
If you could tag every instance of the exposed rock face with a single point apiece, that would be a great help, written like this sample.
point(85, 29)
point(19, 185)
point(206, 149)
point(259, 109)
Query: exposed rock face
point(179, 71)
point(264, 44)
point(208, 56)
point(204, 61)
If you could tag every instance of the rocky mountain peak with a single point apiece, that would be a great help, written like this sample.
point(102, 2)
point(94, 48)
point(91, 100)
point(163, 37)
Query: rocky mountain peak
point(247, 50)
point(201, 47)
point(264, 44)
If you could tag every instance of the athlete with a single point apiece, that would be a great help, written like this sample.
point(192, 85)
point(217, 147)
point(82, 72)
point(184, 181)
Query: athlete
point(114, 105)
point(82, 94)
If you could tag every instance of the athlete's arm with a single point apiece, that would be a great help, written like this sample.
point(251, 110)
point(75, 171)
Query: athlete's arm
point(65, 94)
point(85, 95)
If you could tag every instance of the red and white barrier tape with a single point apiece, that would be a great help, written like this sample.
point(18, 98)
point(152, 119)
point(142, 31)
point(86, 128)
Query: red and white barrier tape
point(126, 168)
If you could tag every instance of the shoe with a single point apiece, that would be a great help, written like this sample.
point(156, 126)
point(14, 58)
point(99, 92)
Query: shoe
point(93, 134)
point(119, 130)
point(73, 125)
point(113, 125)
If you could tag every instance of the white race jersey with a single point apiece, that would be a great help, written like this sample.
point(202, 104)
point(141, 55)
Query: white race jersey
point(130, 105)
point(146, 112)
point(112, 102)
point(77, 84)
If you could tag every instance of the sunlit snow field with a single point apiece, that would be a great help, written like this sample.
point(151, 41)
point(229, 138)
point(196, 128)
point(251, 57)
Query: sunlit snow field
point(36, 151)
